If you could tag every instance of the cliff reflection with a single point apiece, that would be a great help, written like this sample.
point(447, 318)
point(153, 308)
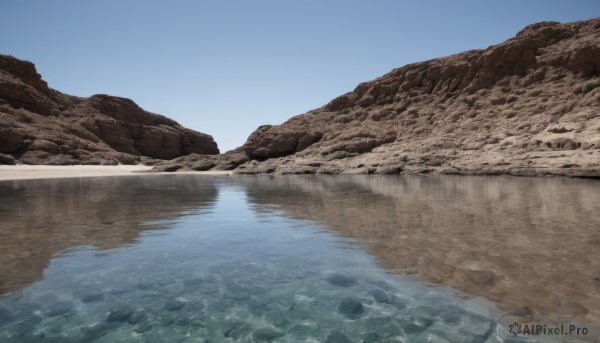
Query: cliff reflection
point(41, 218)
point(531, 244)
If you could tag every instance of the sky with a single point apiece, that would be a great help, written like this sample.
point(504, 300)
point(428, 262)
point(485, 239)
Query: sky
point(225, 67)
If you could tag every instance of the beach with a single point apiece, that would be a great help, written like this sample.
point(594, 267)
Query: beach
point(27, 172)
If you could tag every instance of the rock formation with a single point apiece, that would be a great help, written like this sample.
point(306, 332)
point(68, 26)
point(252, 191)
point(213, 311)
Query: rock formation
point(39, 125)
point(528, 106)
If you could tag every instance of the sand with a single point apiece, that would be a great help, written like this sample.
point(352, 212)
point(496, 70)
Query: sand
point(26, 172)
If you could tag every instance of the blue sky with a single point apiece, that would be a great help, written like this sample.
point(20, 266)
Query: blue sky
point(226, 67)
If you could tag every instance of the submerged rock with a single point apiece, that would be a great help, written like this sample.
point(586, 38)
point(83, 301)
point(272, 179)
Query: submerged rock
point(341, 280)
point(166, 319)
point(119, 314)
point(174, 305)
point(136, 317)
point(58, 308)
point(143, 327)
point(267, 334)
point(414, 325)
point(351, 307)
point(91, 297)
point(399, 302)
point(236, 330)
point(380, 296)
point(96, 331)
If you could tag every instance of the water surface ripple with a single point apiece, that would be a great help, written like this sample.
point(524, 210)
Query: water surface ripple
point(187, 258)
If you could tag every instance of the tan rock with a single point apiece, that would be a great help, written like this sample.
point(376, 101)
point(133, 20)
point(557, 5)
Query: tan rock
point(508, 109)
point(39, 125)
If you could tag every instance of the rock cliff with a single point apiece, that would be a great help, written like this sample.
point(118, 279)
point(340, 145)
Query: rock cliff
point(528, 106)
point(39, 125)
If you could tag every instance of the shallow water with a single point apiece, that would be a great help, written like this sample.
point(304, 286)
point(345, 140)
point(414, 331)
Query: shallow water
point(183, 258)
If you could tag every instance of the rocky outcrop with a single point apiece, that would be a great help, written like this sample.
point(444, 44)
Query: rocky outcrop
point(528, 106)
point(39, 125)
point(193, 162)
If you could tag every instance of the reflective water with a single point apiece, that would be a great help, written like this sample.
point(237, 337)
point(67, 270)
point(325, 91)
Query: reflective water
point(182, 258)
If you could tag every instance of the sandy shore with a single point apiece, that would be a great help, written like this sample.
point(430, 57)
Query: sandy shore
point(25, 172)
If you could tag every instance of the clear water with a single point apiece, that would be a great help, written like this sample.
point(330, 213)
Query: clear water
point(183, 258)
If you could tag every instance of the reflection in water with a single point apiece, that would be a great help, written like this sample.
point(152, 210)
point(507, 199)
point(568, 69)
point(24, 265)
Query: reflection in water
point(251, 259)
point(41, 218)
point(530, 244)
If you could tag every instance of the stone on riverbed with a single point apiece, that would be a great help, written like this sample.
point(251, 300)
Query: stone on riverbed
point(91, 297)
point(143, 327)
point(351, 307)
point(174, 305)
point(136, 317)
point(414, 325)
point(58, 308)
point(380, 296)
point(119, 314)
point(341, 280)
point(267, 334)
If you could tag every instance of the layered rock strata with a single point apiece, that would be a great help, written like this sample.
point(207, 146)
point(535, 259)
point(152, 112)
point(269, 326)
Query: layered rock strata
point(39, 125)
point(528, 106)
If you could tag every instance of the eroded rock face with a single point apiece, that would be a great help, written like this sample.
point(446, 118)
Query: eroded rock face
point(515, 108)
point(39, 125)
point(194, 162)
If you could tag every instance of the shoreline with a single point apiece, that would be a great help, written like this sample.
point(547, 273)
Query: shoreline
point(35, 172)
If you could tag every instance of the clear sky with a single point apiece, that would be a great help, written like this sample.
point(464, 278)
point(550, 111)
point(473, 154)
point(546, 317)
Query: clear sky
point(225, 67)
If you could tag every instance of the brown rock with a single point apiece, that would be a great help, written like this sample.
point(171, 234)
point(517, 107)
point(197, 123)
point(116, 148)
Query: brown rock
point(339, 103)
point(308, 140)
point(11, 140)
point(227, 161)
point(496, 111)
point(45, 145)
point(268, 141)
point(564, 144)
point(7, 159)
point(39, 125)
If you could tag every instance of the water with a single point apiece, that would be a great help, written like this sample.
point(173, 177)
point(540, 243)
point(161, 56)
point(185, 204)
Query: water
point(182, 258)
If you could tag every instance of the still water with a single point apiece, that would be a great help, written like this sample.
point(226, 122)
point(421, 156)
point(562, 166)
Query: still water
point(187, 258)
